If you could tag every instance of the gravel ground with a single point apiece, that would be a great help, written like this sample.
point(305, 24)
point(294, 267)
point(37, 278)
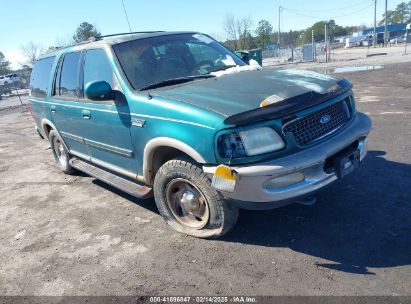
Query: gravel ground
point(73, 235)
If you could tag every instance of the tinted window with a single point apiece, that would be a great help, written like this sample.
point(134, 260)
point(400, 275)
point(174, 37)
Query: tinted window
point(153, 60)
point(97, 67)
point(202, 53)
point(67, 83)
point(40, 77)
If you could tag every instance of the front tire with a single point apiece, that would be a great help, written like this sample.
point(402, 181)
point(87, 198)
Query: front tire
point(60, 152)
point(188, 203)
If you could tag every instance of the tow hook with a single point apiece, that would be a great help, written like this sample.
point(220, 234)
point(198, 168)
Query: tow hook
point(308, 201)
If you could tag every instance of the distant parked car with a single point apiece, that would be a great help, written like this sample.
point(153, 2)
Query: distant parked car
point(399, 39)
point(370, 40)
point(10, 79)
point(3, 80)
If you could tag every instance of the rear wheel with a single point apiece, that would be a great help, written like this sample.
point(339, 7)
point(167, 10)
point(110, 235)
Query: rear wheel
point(188, 203)
point(60, 152)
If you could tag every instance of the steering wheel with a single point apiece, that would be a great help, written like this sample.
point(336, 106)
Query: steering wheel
point(204, 65)
point(205, 62)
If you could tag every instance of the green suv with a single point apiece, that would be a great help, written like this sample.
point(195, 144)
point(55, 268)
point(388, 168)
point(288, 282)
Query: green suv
point(177, 116)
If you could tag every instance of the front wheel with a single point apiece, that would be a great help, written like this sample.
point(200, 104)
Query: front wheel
point(188, 203)
point(60, 152)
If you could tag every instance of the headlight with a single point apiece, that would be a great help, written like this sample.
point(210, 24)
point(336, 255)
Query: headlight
point(249, 143)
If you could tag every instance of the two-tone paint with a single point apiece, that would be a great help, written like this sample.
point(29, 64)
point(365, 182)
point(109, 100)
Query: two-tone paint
point(133, 134)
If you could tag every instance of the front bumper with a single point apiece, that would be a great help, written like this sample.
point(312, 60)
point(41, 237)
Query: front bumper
point(250, 190)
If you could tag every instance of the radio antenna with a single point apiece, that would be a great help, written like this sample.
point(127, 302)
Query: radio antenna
point(125, 13)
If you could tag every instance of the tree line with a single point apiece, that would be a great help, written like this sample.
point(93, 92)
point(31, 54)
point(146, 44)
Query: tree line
point(241, 35)
point(401, 14)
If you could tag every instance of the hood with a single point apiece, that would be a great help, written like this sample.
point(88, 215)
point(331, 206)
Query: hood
point(240, 97)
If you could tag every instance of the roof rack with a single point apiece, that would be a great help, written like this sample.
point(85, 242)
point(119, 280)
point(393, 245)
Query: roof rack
point(122, 34)
point(97, 38)
point(56, 48)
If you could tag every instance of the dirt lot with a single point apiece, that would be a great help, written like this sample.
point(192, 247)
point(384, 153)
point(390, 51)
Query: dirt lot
point(354, 56)
point(73, 235)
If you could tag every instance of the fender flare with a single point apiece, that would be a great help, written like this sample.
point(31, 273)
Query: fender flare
point(45, 122)
point(155, 143)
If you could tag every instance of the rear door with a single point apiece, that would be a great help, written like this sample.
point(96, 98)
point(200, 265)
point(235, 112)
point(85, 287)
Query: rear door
point(65, 107)
point(106, 130)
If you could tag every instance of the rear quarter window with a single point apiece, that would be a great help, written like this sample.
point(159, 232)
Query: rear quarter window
point(40, 77)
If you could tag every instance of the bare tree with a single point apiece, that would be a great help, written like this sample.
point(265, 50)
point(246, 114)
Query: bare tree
point(217, 36)
point(238, 31)
point(244, 26)
point(230, 28)
point(31, 51)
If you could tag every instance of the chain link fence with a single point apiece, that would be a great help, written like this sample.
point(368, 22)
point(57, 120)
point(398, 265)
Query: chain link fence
point(308, 52)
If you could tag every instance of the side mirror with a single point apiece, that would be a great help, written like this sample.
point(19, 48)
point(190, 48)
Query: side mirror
point(98, 90)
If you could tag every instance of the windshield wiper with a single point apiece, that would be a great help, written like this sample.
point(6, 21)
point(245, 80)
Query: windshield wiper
point(172, 81)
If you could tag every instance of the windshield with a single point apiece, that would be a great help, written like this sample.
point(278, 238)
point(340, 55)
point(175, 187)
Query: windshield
point(158, 59)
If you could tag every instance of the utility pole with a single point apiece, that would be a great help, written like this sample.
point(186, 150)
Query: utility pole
point(279, 26)
point(385, 28)
point(325, 42)
point(374, 38)
point(312, 44)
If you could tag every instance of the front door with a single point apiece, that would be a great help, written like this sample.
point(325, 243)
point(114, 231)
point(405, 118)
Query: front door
point(106, 124)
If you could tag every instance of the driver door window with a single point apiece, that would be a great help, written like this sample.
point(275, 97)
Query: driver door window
point(97, 68)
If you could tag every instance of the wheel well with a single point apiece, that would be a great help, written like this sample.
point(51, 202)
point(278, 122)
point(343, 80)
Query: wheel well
point(162, 155)
point(47, 128)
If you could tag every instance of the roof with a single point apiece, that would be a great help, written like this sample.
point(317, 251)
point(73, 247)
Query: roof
point(390, 28)
point(114, 39)
point(119, 38)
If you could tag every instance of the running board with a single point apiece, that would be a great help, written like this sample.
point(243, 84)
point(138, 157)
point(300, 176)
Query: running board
point(116, 181)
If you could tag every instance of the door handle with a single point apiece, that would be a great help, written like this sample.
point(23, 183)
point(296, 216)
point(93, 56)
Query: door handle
point(53, 109)
point(86, 114)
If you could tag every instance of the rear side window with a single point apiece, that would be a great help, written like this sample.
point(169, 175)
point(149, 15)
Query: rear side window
point(39, 82)
point(97, 67)
point(67, 82)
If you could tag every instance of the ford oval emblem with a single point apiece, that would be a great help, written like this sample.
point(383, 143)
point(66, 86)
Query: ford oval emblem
point(324, 119)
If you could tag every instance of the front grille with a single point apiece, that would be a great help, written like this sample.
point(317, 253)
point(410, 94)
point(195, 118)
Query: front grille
point(316, 125)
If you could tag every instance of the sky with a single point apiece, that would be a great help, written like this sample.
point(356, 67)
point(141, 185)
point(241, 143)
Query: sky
point(45, 22)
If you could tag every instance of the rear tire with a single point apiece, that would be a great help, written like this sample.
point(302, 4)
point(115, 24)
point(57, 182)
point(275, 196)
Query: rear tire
point(188, 203)
point(60, 153)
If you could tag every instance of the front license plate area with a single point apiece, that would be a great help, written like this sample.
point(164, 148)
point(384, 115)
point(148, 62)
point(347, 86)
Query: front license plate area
point(346, 163)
